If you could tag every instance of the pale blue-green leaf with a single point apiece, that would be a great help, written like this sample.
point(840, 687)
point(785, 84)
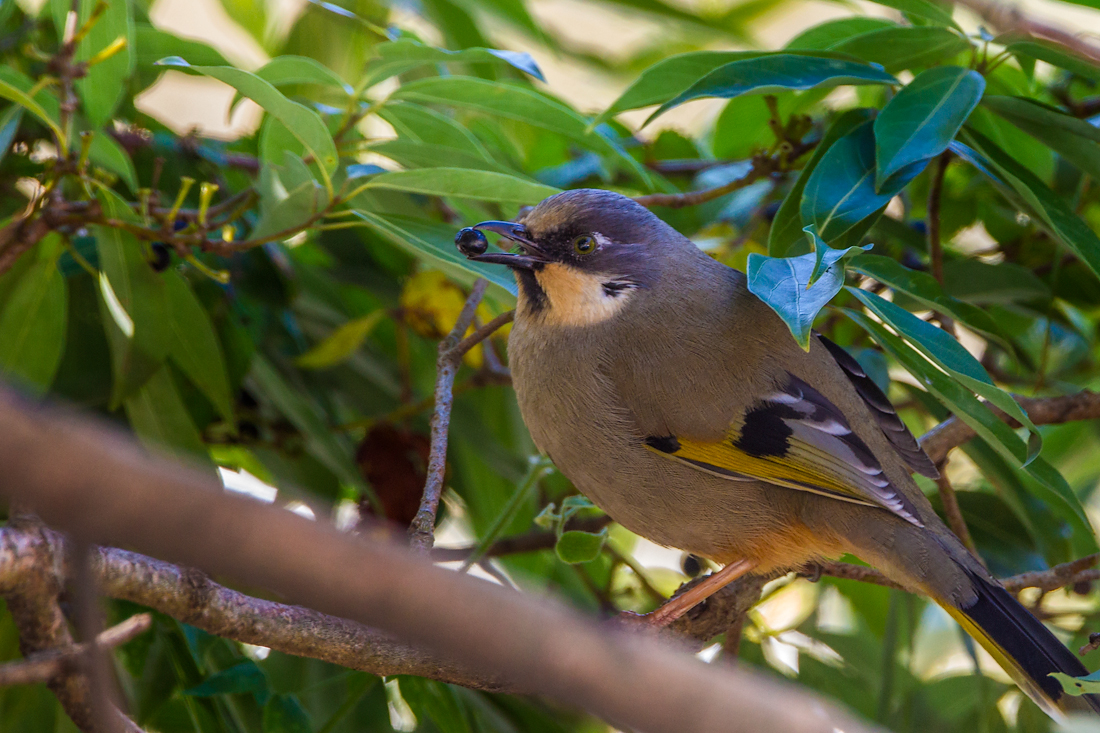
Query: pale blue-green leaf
point(782, 283)
point(9, 125)
point(923, 118)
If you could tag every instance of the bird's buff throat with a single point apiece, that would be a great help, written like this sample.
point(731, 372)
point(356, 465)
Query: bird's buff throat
point(560, 295)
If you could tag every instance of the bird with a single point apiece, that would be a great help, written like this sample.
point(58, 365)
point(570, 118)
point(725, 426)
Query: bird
point(678, 402)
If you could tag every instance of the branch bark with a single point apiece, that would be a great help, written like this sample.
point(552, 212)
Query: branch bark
point(104, 489)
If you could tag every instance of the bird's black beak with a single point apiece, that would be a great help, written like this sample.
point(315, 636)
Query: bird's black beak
point(531, 258)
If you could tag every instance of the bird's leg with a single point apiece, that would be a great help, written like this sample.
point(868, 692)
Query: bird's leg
point(676, 607)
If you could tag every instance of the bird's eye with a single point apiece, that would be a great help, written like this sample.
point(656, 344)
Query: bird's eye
point(584, 244)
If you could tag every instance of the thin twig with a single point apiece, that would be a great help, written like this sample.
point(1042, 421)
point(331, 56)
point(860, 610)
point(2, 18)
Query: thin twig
point(762, 167)
point(422, 529)
point(1007, 16)
point(45, 666)
point(952, 432)
point(952, 511)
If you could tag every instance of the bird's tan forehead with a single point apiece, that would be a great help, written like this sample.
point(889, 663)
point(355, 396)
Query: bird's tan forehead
point(577, 298)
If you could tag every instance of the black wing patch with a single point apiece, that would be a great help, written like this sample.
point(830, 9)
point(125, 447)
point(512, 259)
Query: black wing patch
point(885, 414)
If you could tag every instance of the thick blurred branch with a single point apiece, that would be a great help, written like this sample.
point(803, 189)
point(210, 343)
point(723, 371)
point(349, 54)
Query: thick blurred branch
point(104, 489)
point(952, 432)
point(1007, 16)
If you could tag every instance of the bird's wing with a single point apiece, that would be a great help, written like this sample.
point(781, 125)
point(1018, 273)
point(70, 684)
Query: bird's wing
point(884, 413)
point(794, 437)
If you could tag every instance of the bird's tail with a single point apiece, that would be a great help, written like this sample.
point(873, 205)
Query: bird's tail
point(1024, 647)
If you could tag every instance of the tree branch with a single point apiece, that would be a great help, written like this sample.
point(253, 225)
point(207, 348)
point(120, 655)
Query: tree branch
point(953, 512)
point(35, 609)
point(952, 432)
point(45, 666)
point(105, 489)
point(1008, 17)
point(451, 349)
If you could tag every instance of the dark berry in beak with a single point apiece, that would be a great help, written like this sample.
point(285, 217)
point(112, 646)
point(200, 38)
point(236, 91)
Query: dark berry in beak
point(471, 242)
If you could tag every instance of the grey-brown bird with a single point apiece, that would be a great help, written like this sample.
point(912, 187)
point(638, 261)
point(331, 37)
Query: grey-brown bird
point(679, 403)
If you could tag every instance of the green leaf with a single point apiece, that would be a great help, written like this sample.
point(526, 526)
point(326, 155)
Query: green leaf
point(414, 154)
point(944, 350)
point(515, 102)
point(924, 288)
point(988, 426)
point(242, 678)
point(284, 714)
point(160, 419)
point(669, 77)
point(927, 9)
point(464, 183)
point(12, 89)
point(305, 124)
point(102, 87)
point(923, 118)
point(1049, 209)
point(984, 284)
point(424, 125)
point(107, 153)
point(826, 35)
point(1055, 55)
point(783, 284)
point(435, 245)
point(342, 343)
point(133, 302)
point(195, 347)
point(1074, 139)
point(904, 48)
point(321, 442)
point(1078, 686)
point(33, 321)
point(786, 237)
point(575, 547)
point(397, 57)
point(287, 202)
point(287, 70)
point(9, 125)
point(152, 44)
point(777, 72)
point(840, 199)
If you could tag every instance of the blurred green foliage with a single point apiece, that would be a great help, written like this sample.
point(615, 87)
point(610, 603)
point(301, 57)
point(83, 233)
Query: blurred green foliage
point(272, 303)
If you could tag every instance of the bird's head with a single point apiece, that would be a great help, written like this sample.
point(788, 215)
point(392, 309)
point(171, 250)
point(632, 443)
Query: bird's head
point(583, 255)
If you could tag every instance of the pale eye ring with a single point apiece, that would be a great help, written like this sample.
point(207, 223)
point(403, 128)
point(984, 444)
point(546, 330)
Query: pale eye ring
point(584, 244)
